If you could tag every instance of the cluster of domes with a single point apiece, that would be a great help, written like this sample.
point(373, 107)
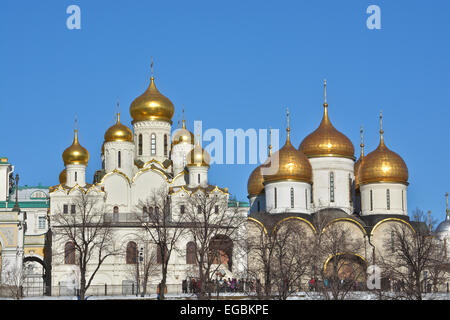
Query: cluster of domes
point(381, 165)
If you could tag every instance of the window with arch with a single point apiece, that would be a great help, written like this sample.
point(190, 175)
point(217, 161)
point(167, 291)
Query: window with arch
point(153, 144)
point(76, 176)
point(191, 253)
point(119, 159)
point(140, 145)
point(403, 203)
point(371, 200)
point(292, 198)
point(145, 213)
point(331, 186)
point(165, 145)
point(388, 199)
point(116, 214)
point(198, 178)
point(350, 184)
point(306, 198)
point(69, 253)
point(131, 253)
point(259, 206)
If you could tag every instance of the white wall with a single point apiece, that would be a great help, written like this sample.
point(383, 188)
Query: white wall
point(302, 196)
point(379, 198)
point(146, 128)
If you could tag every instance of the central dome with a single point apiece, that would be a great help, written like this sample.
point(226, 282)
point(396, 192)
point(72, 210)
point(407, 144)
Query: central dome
point(326, 141)
point(152, 105)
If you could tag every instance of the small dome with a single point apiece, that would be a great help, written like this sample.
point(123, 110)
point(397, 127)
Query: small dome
point(198, 157)
point(326, 141)
point(118, 132)
point(152, 105)
point(292, 165)
point(382, 165)
point(75, 154)
point(444, 227)
point(183, 135)
point(63, 177)
point(255, 182)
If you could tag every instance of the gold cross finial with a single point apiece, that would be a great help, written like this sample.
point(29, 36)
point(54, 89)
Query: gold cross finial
point(446, 198)
point(151, 68)
point(183, 121)
point(75, 126)
point(362, 142)
point(325, 89)
point(118, 113)
point(288, 128)
point(270, 141)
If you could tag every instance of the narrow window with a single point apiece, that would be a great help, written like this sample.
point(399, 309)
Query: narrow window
point(182, 209)
point(403, 203)
point(150, 213)
point(388, 199)
point(392, 241)
point(72, 209)
point(312, 198)
point(66, 208)
point(350, 197)
point(331, 186)
point(306, 198)
point(119, 160)
point(131, 253)
point(198, 178)
point(199, 209)
point(69, 253)
point(259, 206)
point(116, 209)
point(116, 214)
point(159, 255)
point(153, 144)
point(371, 200)
point(76, 176)
point(165, 145)
point(140, 145)
point(145, 213)
point(216, 209)
point(292, 198)
point(275, 196)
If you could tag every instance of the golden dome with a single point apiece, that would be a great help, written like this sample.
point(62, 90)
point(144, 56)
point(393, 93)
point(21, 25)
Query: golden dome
point(198, 157)
point(255, 182)
point(182, 136)
point(326, 141)
point(75, 154)
point(292, 164)
point(152, 105)
point(383, 165)
point(63, 177)
point(118, 132)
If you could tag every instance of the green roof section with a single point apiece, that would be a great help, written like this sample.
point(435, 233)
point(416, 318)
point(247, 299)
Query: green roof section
point(240, 204)
point(25, 204)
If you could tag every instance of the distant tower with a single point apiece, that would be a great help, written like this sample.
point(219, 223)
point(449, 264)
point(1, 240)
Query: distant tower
point(76, 160)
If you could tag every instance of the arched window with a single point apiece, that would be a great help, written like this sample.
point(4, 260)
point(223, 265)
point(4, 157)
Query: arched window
point(259, 206)
point(119, 160)
point(145, 213)
point(371, 200)
point(116, 209)
point(165, 145)
point(388, 199)
point(331, 186)
point(292, 198)
point(131, 254)
point(116, 214)
point(76, 176)
point(140, 145)
point(306, 198)
point(403, 203)
point(198, 178)
point(191, 253)
point(69, 253)
point(153, 144)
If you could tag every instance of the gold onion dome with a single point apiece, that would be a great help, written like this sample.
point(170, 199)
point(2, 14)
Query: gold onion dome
point(183, 135)
point(326, 141)
point(255, 182)
point(152, 105)
point(383, 165)
point(118, 132)
point(198, 157)
point(75, 154)
point(292, 164)
point(63, 177)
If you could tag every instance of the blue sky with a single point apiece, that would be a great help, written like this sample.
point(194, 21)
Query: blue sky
point(232, 64)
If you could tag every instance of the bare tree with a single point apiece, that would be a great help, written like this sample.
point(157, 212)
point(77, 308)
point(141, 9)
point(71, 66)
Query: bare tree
point(14, 281)
point(336, 265)
point(163, 228)
point(217, 232)
point(84, 237)
point(409, 258)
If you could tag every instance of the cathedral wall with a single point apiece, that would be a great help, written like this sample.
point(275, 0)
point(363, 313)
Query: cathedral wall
point(379, 202)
